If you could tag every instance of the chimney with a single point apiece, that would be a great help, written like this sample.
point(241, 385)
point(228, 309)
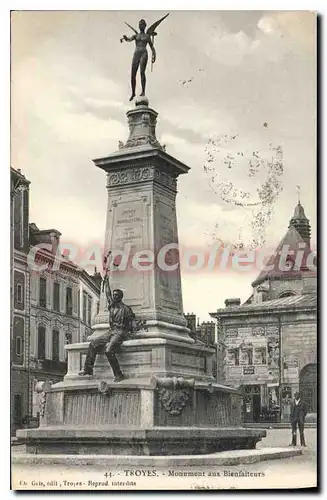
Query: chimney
point(309, 284)
point(232, 302)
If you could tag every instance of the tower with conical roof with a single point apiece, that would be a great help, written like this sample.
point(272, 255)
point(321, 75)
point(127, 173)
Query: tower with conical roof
point(287, 276)
point(301, 223)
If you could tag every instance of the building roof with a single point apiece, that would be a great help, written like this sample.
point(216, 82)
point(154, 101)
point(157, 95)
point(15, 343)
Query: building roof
point(291, 302)
point(295, 243)
point(299, 212)
point(91, 280)
point(18, 177)
point(301, 222)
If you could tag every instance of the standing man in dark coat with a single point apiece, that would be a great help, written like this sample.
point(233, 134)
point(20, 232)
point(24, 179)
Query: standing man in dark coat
point(297, 417)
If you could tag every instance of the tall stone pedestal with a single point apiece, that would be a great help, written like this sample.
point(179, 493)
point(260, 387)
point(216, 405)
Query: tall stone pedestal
point(168, 402)
point(141, 222)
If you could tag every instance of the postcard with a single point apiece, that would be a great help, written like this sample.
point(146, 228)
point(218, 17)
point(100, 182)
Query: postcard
point(163, 250)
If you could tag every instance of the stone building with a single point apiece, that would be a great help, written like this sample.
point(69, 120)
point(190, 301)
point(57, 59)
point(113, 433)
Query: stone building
point(54, 313)
point(207, 332)
point(204, 332)
point(53, 303)
point(19, 317)
point(270, 341)
point(191, 323)
point(89, 298)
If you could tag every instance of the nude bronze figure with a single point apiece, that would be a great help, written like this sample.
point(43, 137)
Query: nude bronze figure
point(140, 57)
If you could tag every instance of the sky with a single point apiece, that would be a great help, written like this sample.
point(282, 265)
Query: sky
point(235, 93)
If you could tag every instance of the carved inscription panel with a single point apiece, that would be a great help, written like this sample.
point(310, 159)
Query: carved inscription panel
point(126, 233)
point(168, 275)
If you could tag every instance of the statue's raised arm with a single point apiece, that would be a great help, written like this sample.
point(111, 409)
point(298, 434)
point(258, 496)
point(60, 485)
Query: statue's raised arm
point(140, 57)
point(105, 280)
point(131, 38)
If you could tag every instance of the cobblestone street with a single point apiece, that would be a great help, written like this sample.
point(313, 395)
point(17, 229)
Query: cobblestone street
point(290, 473)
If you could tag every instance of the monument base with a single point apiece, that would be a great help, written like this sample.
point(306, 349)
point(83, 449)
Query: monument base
point(168, 404)
point(223, 458)
point(157, 441)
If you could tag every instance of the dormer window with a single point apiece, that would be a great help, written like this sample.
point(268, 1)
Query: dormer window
point(288, 266)
point(287, 293)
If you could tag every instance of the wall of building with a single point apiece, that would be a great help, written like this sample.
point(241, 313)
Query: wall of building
point(67, 325)
point(87, 295)
point(281, 347)
point(256, 367)
point(299, 347)
point(277, 287)
point(19, 397)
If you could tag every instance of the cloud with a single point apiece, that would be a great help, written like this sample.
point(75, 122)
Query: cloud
point(70, 85)
point(298, 27)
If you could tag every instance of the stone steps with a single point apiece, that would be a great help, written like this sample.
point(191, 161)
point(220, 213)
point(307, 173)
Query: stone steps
point(235, 457)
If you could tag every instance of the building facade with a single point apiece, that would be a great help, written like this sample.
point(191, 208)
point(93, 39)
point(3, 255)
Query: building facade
point(204, 332)
point(270, 341)
point(89, 299)
point(54, 320)
point(20, 298)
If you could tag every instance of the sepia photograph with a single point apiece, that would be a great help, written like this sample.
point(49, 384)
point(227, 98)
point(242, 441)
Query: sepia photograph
point(163, 249)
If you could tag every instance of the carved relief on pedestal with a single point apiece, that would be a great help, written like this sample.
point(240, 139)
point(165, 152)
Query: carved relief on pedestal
point(42, 388)
point(174, 393)
point(104, 388)
point(138, 174)
point(142, 128)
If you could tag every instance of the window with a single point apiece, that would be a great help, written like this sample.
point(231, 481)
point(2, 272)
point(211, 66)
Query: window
point(19, 346)
point(18, 409)
point(98, 307)
point(288, 266)
point(55, 345)
point(41, 343)
point(19, 290)
point(84, 306)
point(56, 296)
point(89, 310)
point(264, 356)
point(17, 219)
point(260, 356)
point(19, 293)
point(43, 292)
point(18, 340)
point(233, 356)
point(69, 301)
point(25, 218)
point(286, 294)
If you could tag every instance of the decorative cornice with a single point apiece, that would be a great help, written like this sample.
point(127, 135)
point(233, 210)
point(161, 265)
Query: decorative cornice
point(141, 174)
point(174, 382)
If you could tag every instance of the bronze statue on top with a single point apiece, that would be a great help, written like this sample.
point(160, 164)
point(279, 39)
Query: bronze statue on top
point(140, 57)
